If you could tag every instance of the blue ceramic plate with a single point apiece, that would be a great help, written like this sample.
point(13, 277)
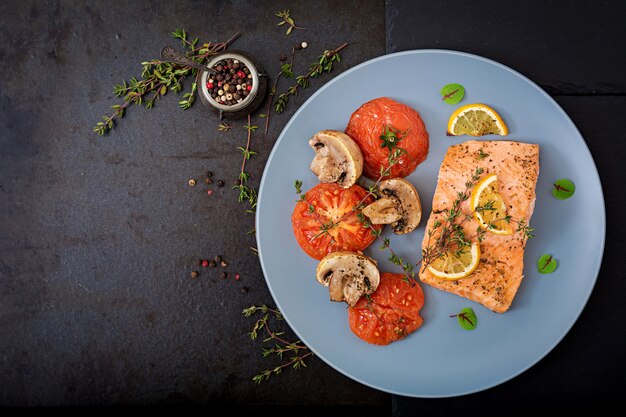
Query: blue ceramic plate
point(440, 359)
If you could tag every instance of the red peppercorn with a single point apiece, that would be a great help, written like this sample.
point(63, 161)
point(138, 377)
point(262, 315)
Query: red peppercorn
point(209, 192)
point(249, 87)
point(237, 277)
point(210, 85)
point(220, 83)
point(205, 263)
point(241, 74)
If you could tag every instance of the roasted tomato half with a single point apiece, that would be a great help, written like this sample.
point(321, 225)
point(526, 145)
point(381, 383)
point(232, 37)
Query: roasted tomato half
point(327, 220)
point(379, 117)
point(391, 313)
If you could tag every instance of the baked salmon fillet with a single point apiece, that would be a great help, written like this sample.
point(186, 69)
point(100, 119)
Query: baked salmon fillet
point(495, 281)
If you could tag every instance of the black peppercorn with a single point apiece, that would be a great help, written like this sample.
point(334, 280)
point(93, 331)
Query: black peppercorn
point(298, 46)
point(209, 174)
point(220, 183)
point(283, 57)
point(218, 258)
point(224, 275)
point(208, 181)
point(212, 264)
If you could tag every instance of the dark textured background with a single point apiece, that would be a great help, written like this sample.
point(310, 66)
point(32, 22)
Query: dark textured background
point(98, 235)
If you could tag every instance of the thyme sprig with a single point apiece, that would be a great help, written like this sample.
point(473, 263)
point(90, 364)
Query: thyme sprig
point(286, 70)
point(223, 127)
point(449, 235)
point(285, 15)
point(158, 77)
point(297, 350)
point(323, 64)
point(246, 193)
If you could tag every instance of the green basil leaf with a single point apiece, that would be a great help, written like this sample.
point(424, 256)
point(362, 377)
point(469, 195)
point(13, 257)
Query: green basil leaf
point(563, 189)
point(546, 264)
point(452, 93)
point(467, 318)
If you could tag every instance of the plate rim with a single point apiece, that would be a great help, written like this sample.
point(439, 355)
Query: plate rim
point(579, 137)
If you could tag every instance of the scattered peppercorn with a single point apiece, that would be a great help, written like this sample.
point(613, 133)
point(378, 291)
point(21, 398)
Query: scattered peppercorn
point(205, 263)
point(224, 275)
point(229, 73)
point(220, 183)
point(208, 181)
point(298, 46)
point(282, 57)
point(209, 192)
point(244, 290)
point(224, 264)
point(304, 45)
point(237, 276)
point(218, 258)
point(212, 264)
point(209, 174)
point(194, 274)
point(192, 182)
point(199, 262)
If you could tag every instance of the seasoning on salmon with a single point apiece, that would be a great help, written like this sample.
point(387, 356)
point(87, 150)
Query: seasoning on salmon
point(495, 281)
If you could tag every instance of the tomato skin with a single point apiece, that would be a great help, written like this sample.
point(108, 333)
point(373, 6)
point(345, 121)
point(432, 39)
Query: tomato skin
point(331, 203)
point(391, 313)
point(368, 122)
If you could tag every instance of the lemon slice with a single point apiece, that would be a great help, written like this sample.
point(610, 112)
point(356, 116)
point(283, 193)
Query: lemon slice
point(476, 120)
point(456, 265)
point(488, 207)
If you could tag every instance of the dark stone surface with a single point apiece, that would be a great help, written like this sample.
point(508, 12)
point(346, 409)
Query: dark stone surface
point(99, 235)
point(565, 46)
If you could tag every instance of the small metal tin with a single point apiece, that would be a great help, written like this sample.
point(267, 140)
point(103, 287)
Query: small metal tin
point(248, 104)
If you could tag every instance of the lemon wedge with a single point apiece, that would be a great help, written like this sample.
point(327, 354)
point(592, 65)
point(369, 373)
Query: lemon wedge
point(476, 120)
point(488, 207)
point(456, 265)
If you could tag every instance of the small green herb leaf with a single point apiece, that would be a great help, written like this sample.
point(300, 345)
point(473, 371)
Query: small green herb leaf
point(452, 93)
point(563, 189)
point(546, 264)
point(467, 318)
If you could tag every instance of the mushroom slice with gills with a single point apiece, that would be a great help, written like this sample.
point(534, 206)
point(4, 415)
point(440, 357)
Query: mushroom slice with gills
point(337, 158)
point(348, 275)
point(399, 206)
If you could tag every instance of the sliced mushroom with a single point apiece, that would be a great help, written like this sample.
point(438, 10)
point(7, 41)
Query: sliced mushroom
point(348, 275)
point(337, 158)
point(399, 206)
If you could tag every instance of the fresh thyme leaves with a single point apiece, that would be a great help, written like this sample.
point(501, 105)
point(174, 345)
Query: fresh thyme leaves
point(448, 235)
point(247, 193)
point(523, 227)
point(285, 15)
point(546, 264)
point(323, 64)
point(158, 77)
point(223, 127)
point(286, 70)
point(297, 351)
point(407, 268)
point(391, 136)
point(563, 189)
point(467, 318)
point(480, 155)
